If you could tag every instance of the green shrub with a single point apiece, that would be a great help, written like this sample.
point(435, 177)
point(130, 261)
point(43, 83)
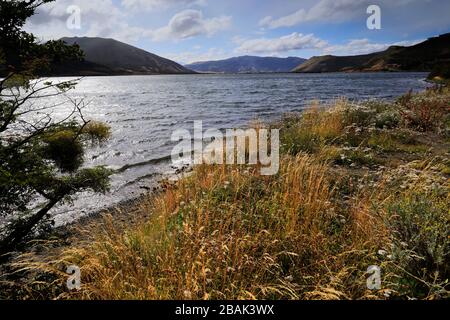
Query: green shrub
point(361, 116)
point(388, 119)
point(395, 141)
point(353, 136)
point(65, 149)
point(295, 140)
point(420, 224)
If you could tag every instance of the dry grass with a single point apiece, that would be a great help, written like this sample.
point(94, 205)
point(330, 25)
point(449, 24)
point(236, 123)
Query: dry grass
point(309, 232)
point(228, 233)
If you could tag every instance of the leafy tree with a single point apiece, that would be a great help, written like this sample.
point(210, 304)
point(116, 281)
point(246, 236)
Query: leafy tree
point(40, 157)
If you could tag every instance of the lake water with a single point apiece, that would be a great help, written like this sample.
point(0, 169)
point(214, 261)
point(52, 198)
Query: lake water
point(143, 111)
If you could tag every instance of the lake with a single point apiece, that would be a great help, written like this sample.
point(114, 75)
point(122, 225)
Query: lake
point(143, 111)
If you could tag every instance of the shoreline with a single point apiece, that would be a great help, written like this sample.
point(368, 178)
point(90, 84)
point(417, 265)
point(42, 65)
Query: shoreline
point(119, 211)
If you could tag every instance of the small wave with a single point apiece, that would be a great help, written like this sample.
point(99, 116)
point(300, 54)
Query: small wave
point(135, 181)
point(144, 163)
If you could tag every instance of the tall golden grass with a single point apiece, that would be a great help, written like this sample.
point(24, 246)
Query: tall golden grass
point(228, 233)
point(309, 232)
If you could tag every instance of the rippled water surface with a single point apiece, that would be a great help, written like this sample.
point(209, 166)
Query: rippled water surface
point(143, 111)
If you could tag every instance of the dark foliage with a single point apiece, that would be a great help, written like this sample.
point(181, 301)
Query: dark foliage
point(40, 160)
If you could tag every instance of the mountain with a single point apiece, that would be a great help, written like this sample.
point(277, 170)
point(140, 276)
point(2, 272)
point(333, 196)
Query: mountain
point(334, 63)
point(420, 57)
point(247, 64)
point(114, 57)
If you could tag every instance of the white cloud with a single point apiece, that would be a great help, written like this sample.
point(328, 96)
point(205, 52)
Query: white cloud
point(294, 41)
point(98, 18)
point(238, 40)
point(150, 5)
point(364, 46)
point(330, 10)
point(298, 41)
point(327, 11)
point(355, 47)
point(190, 23)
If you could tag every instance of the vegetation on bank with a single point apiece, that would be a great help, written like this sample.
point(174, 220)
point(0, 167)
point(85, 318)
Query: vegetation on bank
point(41, 155)
point(441, 73)
point(359, 185)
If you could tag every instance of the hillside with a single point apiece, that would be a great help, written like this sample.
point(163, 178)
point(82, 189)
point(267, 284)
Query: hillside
point(421, 57)
point(247, 64)
point(122, 58)
point(333, 63)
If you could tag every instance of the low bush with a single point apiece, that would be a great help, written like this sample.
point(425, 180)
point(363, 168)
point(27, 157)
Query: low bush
point(425, 112)
point(421, 244)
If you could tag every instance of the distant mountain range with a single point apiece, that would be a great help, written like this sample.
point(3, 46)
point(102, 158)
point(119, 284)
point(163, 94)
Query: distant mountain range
point(247, 64)
point(424, 56)
point(112, 57)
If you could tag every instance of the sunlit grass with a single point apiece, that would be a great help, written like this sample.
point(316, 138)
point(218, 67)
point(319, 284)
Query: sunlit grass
point(357, 186)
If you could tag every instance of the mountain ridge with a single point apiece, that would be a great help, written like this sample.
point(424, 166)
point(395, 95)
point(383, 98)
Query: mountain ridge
point(247, 64)
point(113, 57)
point(423, 56)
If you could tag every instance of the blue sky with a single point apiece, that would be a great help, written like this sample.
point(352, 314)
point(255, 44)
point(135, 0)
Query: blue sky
point(198, 30)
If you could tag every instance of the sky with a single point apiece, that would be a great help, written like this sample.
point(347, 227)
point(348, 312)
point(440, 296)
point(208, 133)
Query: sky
point(198, 30)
